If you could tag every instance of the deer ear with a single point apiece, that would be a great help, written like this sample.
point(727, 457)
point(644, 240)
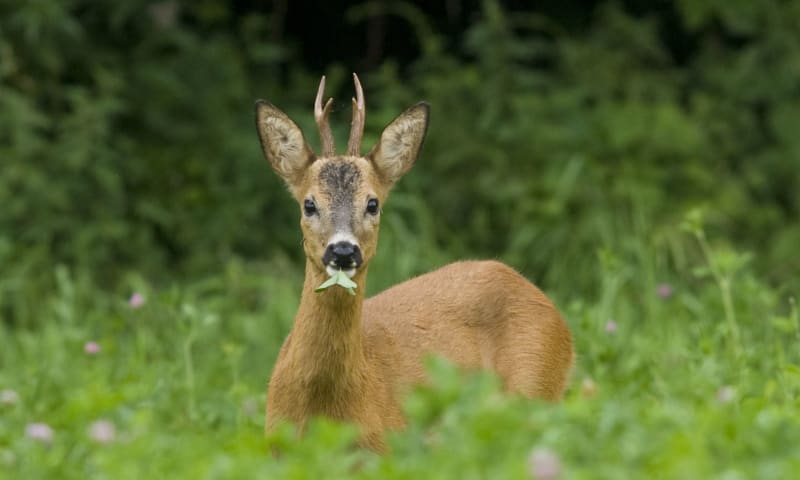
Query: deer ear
point(283, 143)
point(400, 143)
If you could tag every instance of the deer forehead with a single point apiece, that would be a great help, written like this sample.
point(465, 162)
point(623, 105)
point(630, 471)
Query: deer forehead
point(342, 180)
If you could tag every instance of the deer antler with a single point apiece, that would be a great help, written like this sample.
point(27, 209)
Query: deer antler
point(357, 126)
point(321, 117)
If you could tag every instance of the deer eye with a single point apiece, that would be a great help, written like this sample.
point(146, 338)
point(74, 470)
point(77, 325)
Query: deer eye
point(372, 206)
point(309, 207)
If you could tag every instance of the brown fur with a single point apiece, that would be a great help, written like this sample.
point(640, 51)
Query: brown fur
point(352, 359)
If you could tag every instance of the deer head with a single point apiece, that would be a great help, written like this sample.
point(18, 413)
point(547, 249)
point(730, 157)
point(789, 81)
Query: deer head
point(340, 196)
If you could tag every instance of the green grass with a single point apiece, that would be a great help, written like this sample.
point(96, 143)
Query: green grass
point(698, 380)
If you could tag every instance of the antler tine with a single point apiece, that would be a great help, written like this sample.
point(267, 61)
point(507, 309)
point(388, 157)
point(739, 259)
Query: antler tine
point(321, 117)
point(357, 127)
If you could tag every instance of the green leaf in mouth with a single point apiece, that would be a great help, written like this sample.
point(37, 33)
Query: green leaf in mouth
point(339, 278)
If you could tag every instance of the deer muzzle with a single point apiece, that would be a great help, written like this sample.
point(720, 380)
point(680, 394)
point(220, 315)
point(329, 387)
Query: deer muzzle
point(342, 255)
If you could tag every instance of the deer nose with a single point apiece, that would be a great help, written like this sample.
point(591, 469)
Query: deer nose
point(343, 255)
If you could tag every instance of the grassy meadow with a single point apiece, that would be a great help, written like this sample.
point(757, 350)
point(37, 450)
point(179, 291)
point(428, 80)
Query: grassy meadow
point(682, 378)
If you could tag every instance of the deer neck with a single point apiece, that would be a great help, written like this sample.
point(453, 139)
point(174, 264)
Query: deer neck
point(326, 340)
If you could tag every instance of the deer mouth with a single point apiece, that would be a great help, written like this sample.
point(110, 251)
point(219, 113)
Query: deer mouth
point(332, 269)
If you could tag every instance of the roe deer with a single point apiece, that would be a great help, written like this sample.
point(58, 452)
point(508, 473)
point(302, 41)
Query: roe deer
point(351, 359)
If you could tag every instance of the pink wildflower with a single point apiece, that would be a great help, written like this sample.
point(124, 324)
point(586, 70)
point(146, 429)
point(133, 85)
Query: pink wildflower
point(726, 394)
point(103, 431)
point(91, 348)
point(664, 291)
point(544, 464)
point(41, 432)
point(9, 397)
point(136, 300)
point(611, 326)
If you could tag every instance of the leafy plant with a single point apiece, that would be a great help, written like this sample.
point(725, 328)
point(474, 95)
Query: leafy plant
point(341, 279)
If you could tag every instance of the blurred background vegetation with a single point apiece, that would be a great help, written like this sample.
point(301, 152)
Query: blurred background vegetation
point(559, 129)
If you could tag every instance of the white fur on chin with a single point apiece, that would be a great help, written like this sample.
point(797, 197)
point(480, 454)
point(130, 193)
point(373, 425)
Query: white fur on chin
point(350, 272)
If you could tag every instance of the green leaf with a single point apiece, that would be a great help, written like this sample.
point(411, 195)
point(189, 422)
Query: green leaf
point(327, 283)
point(339, 278)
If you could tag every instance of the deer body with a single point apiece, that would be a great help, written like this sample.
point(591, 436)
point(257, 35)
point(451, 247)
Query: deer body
point(352, 359)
